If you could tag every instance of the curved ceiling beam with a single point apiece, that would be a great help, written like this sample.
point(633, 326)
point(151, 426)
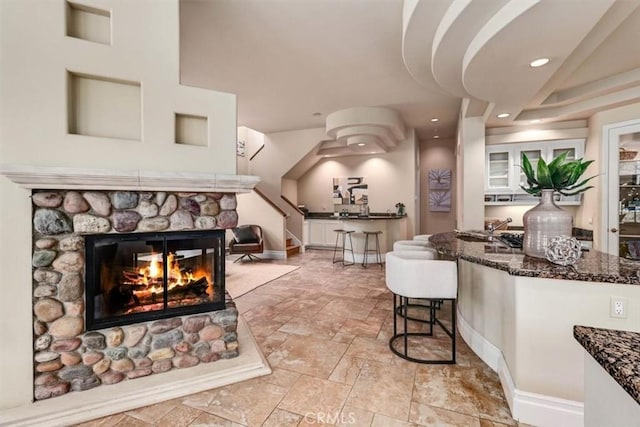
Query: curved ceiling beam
point(458, 27)
point(372, 126)
point(521, 31)
point(420, 19)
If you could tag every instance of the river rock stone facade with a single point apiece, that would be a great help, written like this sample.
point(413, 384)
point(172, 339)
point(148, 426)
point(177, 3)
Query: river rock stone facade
point(67, 357)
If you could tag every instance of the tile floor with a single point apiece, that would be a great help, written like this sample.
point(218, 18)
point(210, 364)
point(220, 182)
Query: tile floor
point(324, 329)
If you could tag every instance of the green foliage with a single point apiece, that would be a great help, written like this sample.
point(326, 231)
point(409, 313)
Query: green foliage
point(559, 175)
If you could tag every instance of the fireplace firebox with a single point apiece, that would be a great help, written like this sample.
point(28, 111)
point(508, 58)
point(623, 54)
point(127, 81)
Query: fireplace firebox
point(138, 277)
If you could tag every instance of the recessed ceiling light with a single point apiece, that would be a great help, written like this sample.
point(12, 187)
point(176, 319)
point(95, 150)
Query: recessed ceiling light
point(436, 136)
point(539, 62)
point(361, 144)
point(503, 115)
point(316, 114)
point(535, 121)
point(435, 119)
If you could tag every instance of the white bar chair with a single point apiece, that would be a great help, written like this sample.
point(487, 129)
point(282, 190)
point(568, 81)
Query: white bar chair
point(409, 275)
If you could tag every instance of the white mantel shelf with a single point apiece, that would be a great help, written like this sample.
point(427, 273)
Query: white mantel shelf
point(62, 178)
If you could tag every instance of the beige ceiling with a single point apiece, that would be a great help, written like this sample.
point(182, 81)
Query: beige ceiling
point(289, 59)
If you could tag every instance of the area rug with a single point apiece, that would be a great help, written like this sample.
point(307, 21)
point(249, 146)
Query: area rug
point(244, 277)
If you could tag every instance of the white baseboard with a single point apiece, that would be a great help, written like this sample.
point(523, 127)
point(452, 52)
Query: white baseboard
point(77, 407)
point(489, 353)
point(526, 407)
point(273, 255)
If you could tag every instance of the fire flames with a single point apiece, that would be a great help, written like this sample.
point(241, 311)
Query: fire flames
point(151, 275)
point(145, 285)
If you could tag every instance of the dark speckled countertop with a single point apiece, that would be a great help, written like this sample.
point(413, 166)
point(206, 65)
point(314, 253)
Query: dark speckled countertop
point(593, 266)
point(329, 215)
point(618, 352)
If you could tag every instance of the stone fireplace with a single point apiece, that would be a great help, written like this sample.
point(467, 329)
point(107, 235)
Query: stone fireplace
point(128, 284)
point(174, 341)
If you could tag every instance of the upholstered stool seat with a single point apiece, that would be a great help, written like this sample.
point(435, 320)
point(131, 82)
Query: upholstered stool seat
point(413, 245)
point(412, 275)
point(340, 246)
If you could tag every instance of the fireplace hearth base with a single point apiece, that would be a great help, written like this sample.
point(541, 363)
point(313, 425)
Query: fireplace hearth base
point(75, 408)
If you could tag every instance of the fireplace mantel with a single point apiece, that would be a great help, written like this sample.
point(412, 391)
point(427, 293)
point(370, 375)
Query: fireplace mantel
point(63, 178)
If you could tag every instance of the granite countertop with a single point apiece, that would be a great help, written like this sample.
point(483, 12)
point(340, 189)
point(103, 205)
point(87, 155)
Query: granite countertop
point(593, 266)
point(617, 352)
point(329, 215)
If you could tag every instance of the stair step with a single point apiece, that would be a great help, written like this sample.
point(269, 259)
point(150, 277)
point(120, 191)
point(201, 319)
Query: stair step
point(289, 241)
point(292, 250)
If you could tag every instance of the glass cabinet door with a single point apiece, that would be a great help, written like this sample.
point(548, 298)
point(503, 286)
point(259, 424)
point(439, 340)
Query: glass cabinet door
point(629, 209)
point(498, 166)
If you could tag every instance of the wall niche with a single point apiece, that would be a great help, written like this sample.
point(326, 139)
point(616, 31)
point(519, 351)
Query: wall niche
point(191, 130)
point(104, 107)
point(88, 23)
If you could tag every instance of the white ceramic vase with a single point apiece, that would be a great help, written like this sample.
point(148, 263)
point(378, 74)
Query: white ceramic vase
point(544, 222)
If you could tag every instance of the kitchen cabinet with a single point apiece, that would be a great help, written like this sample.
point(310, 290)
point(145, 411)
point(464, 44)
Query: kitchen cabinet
point(321, 232)
point(504, 175)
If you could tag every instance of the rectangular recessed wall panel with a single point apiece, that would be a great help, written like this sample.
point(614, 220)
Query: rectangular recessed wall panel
point(103, 107)
point(88, 23)
point(191, 130)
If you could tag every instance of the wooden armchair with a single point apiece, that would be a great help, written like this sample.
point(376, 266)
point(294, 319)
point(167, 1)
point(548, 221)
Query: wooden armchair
point(247, 240)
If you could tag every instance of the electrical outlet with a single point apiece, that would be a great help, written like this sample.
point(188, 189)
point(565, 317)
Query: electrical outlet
point(618, 307)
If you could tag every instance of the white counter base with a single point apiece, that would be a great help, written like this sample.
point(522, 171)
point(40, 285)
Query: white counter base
point(529, 408)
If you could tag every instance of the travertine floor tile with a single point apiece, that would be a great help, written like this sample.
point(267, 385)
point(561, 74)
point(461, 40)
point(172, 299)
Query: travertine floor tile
point(383, 389)
point(128, 421)
point(109, 421)
point(431, 416)
point(280, 418)
point(347, 370)
point(370, 349)
point(308, 355)
point(180, 416)
point(314, 397)
point(352, 416)
point(153, 413)
point(248, 403)
point(210, 420)
point(385, 421)
point(326, 327)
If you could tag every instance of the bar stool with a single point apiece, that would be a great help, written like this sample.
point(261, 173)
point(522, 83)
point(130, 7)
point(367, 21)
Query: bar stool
point(376, 249)
point(409, 275)
point(343, 233)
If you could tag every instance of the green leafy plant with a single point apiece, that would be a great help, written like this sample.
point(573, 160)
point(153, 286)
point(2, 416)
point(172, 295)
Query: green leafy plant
point(559, 175)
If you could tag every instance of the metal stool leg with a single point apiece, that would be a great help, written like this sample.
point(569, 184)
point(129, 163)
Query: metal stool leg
point(366, 248)
point(353, 257)
point(335, 247)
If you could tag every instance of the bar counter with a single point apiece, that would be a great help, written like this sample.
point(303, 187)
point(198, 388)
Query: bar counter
point(593, 266)
point(518, 313)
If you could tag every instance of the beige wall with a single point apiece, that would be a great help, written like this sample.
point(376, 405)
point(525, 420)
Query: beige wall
point(470, 173)
point(253, 209)
point(282, 150)
point(33, 131)
point(390, 176)
point(436, 154)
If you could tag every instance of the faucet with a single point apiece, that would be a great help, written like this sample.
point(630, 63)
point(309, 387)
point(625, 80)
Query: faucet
point(491, 227)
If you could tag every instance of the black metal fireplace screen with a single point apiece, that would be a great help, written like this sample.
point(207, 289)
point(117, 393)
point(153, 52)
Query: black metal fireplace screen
point(145, 276)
